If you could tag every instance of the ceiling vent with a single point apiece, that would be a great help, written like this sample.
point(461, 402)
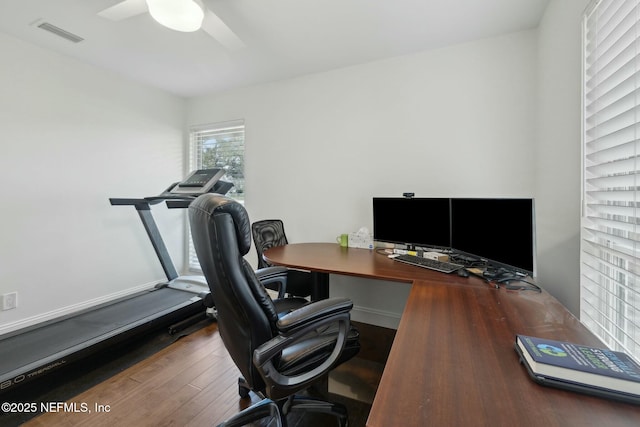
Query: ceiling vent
point(60, 32)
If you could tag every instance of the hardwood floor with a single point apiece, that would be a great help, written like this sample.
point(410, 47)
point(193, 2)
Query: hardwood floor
point(193, 382)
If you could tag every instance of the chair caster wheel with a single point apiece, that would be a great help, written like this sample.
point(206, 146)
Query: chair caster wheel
point(243, 390)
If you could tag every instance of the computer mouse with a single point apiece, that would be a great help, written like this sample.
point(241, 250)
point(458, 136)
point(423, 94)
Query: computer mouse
point(462, 272)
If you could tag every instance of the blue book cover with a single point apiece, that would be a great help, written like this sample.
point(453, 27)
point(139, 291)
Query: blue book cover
point(595, 367)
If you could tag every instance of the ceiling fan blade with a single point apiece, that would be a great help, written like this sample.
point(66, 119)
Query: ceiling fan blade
point(124, 10)
point(217, 29)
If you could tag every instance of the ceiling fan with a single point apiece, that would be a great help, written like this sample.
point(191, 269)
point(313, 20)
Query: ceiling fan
point(179, 15)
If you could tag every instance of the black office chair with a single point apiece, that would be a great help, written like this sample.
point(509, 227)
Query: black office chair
point(269, 233)
point(282, 346)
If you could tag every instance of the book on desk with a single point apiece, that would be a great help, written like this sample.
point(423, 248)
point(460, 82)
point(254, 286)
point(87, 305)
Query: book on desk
point(595, 371)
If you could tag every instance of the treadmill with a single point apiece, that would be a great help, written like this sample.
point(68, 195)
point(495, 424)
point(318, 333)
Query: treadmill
point(178, 196)
point(30, 353)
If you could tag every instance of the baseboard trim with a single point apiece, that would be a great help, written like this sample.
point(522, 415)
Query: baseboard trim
point(73, 309)
point(385, 319)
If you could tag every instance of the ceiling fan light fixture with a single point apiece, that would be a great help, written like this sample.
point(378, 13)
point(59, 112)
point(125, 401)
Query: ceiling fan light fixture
point(178, 15)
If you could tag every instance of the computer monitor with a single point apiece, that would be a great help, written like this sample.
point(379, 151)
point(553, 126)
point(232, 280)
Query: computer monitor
point(501, 231)
point(415, 222)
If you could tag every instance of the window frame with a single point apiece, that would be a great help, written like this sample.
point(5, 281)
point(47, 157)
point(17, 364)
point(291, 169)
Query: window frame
point(233, 130)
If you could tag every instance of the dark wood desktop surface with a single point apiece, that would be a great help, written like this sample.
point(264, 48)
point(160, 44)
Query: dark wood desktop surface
point(453, 361)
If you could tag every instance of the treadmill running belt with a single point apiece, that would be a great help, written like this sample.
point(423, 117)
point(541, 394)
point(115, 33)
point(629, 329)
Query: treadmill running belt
point(29, 354)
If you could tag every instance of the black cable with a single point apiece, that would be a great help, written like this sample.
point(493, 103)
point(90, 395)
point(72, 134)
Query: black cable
point(533, 286)
point(507, 276)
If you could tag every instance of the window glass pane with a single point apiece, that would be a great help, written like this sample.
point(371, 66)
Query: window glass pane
point(221, 145)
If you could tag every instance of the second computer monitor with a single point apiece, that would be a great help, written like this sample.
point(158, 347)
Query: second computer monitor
point(501, 231)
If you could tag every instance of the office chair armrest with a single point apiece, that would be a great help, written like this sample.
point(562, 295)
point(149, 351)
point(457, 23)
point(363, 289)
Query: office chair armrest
point(269, 276)
point(313, 312)
point(279, 384)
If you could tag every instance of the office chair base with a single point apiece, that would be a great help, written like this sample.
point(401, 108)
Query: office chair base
point(263, 410)
point(311, 404)
point(301, 403)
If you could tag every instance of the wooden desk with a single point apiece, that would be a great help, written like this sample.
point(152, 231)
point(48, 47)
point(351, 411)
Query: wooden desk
point(452, 362)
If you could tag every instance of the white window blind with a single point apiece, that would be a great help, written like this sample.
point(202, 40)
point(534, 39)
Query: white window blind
point(218, 145)
point(610, 243)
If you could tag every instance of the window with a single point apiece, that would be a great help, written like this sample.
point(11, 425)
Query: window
point(610, 243)
point(218, 145)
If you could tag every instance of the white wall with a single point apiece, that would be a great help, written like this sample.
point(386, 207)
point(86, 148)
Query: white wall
point(495, 117)
point(558, 157)
point(459, 121)
point(73, 136)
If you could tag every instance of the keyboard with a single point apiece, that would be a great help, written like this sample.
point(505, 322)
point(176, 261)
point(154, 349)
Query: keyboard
point(432, 264)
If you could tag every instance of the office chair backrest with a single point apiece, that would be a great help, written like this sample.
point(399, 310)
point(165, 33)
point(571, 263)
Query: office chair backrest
point(267, 233)
point(221, 234)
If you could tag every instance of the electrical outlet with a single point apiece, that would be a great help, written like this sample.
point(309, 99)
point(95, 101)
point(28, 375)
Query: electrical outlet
point(9, 301)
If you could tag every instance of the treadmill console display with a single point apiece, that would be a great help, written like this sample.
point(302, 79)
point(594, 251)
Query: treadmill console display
point(199, 182)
